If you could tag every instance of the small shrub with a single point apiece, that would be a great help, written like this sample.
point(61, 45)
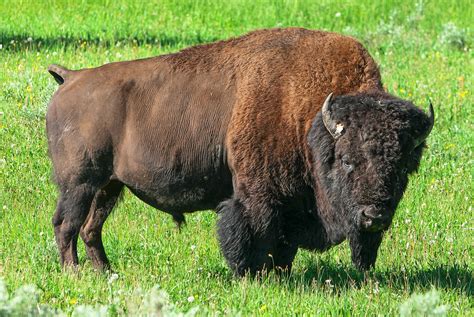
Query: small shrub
point(155, 303)
point(452, 35)
point(423, 305)
point(25, 302)
point(89, 311)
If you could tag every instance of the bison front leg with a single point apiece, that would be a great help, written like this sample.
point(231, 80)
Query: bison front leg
point(91, 232)
point(283, 257)
point(246, 248)
point(364, 248)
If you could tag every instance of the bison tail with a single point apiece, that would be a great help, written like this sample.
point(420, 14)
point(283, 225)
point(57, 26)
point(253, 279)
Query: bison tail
point(59, 73)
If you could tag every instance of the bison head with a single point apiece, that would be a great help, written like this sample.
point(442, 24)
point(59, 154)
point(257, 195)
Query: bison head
point(364, 147)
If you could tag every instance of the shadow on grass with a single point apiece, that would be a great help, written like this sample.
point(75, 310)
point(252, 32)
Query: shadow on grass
point(21, 41)
point(342, 277)
point(338, 278)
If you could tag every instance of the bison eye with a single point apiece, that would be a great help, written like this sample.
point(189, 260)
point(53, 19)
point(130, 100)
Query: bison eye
point(348, 167)
point(404, 170)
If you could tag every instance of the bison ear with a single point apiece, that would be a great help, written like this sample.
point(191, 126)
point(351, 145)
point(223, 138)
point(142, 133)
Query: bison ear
point(334, 128)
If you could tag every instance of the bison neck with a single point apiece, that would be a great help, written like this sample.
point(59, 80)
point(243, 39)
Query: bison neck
point(311, 223)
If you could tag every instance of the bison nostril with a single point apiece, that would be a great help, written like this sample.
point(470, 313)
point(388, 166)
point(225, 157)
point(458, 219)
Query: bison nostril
point(372, 215)
point(370, 212)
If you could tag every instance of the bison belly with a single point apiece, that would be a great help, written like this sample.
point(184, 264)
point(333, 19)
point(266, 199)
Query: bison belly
point(182, 179)
point(172, 152)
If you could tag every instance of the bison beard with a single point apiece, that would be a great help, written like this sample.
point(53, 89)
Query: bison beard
point(244, 127)
point(364, 247)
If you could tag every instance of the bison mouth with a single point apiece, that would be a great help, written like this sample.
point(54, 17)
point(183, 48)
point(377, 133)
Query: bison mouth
point(370, 219)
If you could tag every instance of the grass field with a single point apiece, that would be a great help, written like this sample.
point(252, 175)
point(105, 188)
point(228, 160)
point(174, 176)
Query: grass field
point(424, 50)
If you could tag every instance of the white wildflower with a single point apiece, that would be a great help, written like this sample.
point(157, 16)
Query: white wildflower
point(113, 278)
point(328, 283)
point(376, 288)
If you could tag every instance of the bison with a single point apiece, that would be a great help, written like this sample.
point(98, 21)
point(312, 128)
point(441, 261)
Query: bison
point(287, 133)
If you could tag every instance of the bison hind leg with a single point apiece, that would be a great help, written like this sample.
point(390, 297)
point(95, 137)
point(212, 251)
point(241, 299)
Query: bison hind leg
point(91, 232)
point(71, 212)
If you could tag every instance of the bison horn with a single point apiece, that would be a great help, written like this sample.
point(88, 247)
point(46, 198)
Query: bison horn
point(419, 140)
point(335, 129)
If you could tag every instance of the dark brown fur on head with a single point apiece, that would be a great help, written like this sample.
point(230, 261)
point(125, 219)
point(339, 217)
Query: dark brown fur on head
point(364, 172)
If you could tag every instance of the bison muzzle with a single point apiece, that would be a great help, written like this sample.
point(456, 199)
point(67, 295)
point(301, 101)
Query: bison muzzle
point(287, 133)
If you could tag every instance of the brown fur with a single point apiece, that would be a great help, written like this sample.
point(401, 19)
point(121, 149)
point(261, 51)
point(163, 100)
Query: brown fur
point(188, 130)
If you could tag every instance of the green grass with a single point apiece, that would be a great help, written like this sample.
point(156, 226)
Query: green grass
point(430, 244)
